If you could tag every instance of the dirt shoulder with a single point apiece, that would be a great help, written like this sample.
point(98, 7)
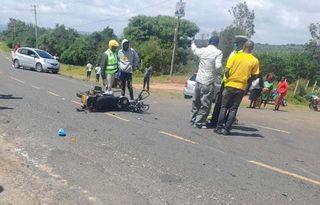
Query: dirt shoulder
point(17, 184)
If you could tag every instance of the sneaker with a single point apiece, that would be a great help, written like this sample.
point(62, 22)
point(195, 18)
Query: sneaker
point(200, 126)
point(218, 131)
point(226, 132)
point(211, 125)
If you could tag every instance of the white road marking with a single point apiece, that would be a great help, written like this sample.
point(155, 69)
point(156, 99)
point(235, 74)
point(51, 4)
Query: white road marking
point(178, 137)
point(281, 171)
point(35, 87)
point(75, 102)
point(115, 116)
point(270, 128)
point(20, 81)
point(54, 94)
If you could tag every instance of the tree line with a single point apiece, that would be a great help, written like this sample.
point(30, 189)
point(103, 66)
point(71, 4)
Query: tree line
point(152, 37)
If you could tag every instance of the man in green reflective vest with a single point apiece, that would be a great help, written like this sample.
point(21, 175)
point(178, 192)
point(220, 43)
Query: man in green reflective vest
point(109, 66)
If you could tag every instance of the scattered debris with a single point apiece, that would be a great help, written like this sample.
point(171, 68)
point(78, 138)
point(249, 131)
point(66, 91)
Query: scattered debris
point(62, 132)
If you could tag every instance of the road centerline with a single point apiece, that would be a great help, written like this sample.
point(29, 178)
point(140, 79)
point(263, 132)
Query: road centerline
point(15, 79)
point(270, 128)
point(178, 137)
point(75, 102)
point(117, 117)
point(54, 94)
point(281, 171)
point(35, 87)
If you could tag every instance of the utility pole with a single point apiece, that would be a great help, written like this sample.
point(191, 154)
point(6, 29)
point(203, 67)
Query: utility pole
point(36, 23)
point(174, 45)
point(180, 12)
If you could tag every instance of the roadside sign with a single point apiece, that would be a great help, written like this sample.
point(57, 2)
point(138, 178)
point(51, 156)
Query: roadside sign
point(180, 9)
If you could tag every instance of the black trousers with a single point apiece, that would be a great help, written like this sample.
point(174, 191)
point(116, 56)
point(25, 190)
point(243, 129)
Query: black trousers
point(231, 99)
point(126, 80)
point(146, 82)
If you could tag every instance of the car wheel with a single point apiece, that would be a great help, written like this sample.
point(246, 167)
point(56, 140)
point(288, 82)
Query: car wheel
point(39, 67)
point(16, 64)
point(55, 72)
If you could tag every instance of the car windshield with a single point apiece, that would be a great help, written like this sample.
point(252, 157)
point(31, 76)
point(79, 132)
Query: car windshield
point(44, 54)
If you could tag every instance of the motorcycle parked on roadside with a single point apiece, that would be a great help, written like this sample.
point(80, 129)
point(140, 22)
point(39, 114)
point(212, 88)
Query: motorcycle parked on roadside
point(314, 102)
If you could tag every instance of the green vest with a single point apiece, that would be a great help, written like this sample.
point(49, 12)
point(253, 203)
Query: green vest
point(112, 64)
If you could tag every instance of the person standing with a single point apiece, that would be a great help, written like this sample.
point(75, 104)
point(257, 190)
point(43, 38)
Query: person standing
point(209, 72)
point(128, 60)
point(109, 66)
point(146, 77)
point(98, 73)
point(88, 68)
point(238, 43)
point(255, 92)
point(239, 69)
point(266, 91)
point(282, 89)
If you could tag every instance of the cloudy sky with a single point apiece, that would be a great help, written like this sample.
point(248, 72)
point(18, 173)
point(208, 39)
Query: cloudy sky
point(277, 21)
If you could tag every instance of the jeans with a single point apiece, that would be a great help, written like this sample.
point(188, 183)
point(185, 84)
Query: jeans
point(126, 79)
point(108, 80)
point(231, 99)
point(202, 103)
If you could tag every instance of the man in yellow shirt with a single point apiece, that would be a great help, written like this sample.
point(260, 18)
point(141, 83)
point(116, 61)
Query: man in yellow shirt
point(240, 67)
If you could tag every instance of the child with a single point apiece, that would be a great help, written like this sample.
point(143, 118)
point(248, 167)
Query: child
point(98, 73)
point(147, 75)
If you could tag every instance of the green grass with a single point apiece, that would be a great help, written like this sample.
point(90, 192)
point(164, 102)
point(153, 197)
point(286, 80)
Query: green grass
point(4, 47)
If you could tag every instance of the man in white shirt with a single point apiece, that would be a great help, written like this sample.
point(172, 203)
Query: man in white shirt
point(209, 72)
point(89, 68)
point(98, 73)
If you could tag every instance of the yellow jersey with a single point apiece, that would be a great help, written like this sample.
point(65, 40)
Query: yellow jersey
point(241, 67)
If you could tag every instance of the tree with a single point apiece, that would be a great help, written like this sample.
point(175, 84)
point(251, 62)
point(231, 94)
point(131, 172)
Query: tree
point(243, 18)
point(58, 40)
point(147, 32)
point(226, 38)
point(20, 32)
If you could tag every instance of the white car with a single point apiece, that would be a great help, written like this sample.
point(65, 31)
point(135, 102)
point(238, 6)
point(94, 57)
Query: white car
point(190, 85)
point(37, 59)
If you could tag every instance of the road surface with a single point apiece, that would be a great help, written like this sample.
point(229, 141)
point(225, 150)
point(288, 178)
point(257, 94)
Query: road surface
point(154, 158)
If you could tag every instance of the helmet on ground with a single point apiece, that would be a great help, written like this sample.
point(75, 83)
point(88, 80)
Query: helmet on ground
point(113, 43)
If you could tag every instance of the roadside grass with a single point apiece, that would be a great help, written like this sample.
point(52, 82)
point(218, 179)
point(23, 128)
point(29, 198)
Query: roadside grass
point(4, 47)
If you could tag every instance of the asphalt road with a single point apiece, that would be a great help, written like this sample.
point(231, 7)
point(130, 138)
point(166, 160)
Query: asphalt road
point(157, 157)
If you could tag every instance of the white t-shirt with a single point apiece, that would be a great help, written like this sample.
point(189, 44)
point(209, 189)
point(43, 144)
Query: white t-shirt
point(89, 67)
point(98, 70)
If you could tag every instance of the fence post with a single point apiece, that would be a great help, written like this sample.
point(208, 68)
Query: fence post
point(307, 85)
point(296, 88)
point(314, 86)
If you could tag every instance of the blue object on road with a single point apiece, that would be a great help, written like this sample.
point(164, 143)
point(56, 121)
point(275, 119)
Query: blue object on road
point(62, 133)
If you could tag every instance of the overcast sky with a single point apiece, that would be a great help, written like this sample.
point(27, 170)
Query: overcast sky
point(277, 21)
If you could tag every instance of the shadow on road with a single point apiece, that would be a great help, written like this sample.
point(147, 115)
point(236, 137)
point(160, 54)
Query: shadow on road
point(241, 134)
point(246, 129)
point(1, 189)
point(6, 108)
point(9, 97)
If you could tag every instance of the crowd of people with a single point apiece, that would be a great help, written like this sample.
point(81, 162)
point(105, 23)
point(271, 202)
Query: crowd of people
point(119, 65)
point(241, 74)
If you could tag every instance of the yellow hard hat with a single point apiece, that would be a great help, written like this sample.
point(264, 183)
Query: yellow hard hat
point(113, 43)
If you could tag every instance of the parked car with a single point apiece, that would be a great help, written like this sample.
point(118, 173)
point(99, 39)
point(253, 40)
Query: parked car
point(189, 87)
point(37, 59)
